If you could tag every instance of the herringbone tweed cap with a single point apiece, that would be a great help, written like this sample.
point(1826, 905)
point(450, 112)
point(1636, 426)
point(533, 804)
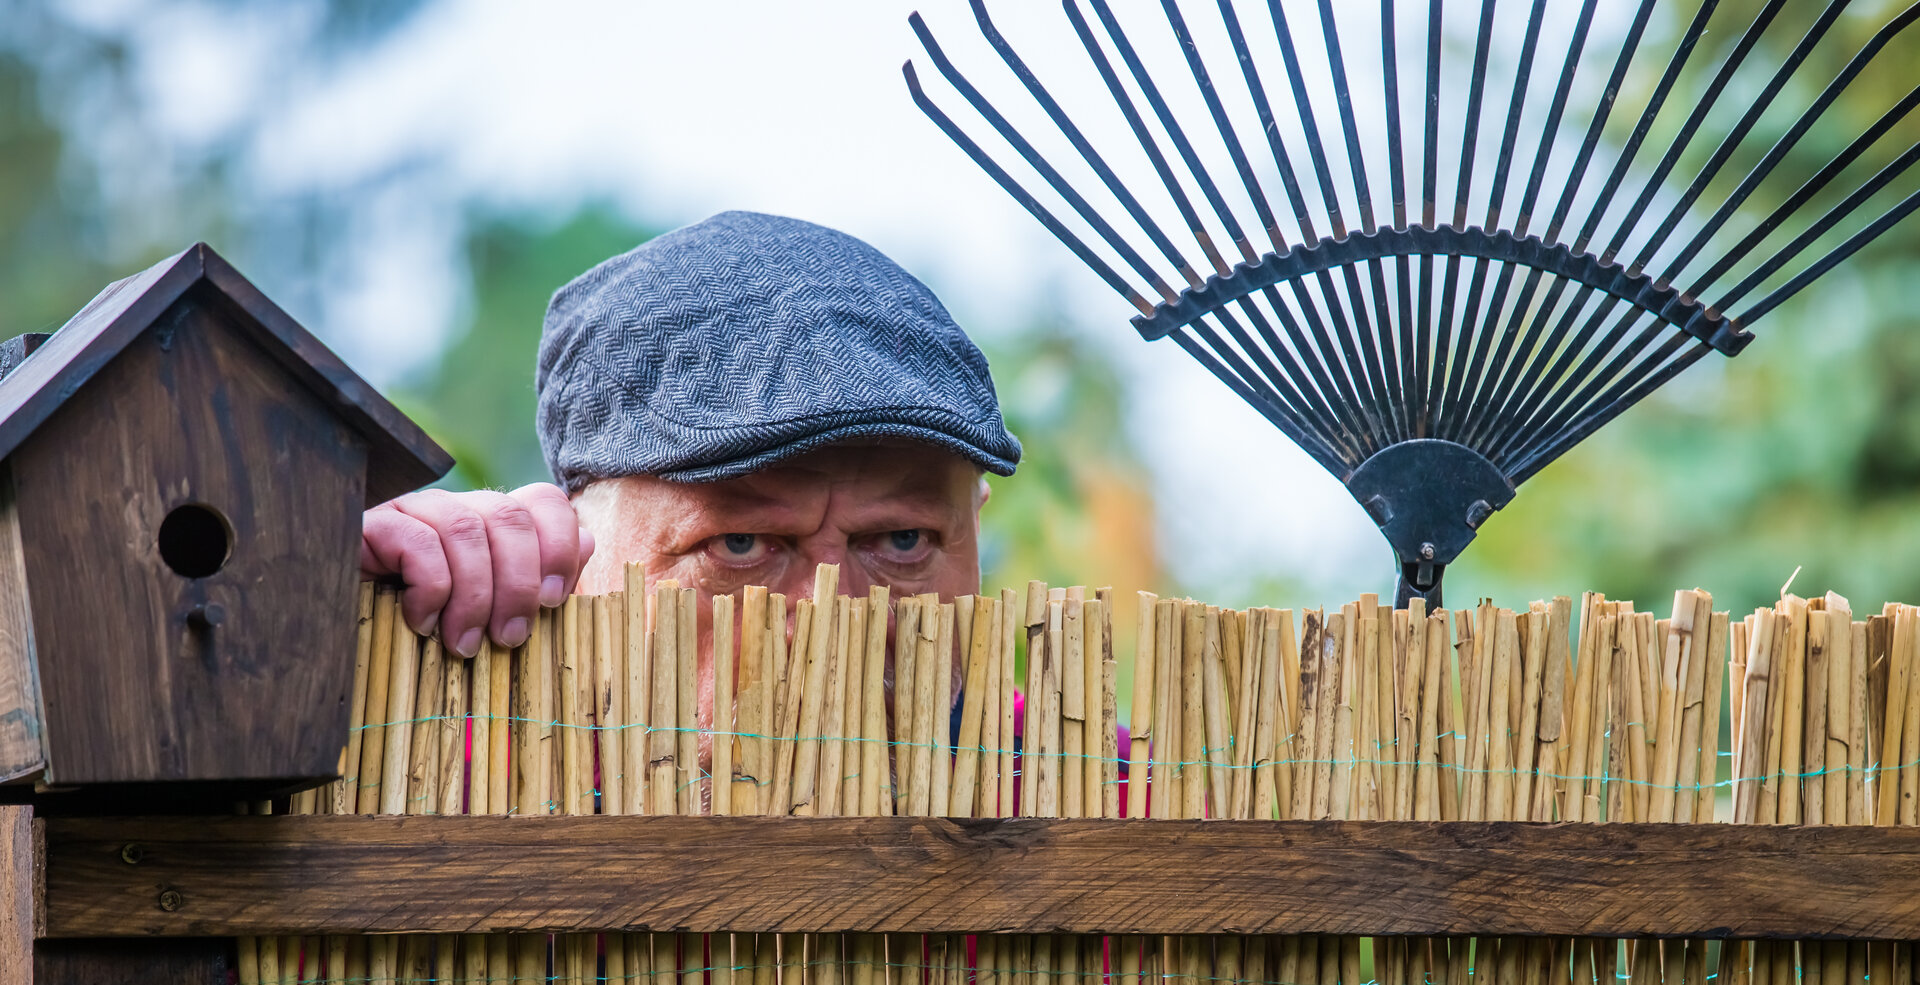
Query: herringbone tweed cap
point(723, 347)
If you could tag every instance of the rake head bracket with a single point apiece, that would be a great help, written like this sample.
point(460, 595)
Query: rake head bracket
point(1670, 304)
point(1429, 497)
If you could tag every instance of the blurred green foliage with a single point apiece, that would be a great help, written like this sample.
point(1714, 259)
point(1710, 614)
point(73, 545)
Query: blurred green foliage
point(1802, 453)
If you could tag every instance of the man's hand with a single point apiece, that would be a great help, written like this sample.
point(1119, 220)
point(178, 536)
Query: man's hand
point(476, 562)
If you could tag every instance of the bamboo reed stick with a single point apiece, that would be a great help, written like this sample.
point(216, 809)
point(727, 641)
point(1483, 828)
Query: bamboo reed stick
point(693, 787)
point(609, 701)
point(725, 738)
point(637, 742)
point(876, 787)
point(402, 685)
point(1165, 752)
point(753, 705)
point(1216, 753)
point(942, 723)
point(576, 708)
point(1010, 613)
point(1794, 712)
point(976, 700)
point(663, 796)
point(1191, 768)
point(1073, 709)
point(373, 741)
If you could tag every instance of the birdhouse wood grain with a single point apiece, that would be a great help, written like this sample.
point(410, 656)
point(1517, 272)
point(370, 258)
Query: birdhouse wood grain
point(182, 473)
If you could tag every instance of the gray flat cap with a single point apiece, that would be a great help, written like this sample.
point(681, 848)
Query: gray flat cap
point(723, 347)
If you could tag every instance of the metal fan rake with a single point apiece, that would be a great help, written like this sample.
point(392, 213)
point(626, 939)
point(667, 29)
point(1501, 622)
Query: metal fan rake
point(1435, 362)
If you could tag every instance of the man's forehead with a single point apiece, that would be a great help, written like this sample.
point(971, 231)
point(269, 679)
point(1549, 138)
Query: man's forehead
point(868, 470)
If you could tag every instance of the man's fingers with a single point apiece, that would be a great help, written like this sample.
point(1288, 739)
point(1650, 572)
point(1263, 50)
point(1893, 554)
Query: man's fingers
point(394, 543)
point(465, 543)
point(514, 540)
point(560, 541)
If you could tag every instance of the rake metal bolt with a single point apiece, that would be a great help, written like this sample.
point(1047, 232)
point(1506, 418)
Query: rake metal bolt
point(1478, 512)
point(1426, 552)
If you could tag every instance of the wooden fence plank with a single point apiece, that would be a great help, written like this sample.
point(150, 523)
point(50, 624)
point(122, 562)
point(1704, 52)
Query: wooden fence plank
point(19, 892)
point(338, 874)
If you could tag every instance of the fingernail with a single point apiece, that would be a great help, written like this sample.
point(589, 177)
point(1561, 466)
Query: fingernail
point(427, 627)
point(553, 591)
point(469, 643)
point(513, 633)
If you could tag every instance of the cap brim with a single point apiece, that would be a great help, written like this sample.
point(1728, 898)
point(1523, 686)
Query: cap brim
point(766, 458)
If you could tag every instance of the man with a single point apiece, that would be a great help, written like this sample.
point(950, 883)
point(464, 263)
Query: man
point(728, 404)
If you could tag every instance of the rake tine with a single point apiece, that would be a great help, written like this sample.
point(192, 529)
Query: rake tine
point(1313, 401)
point(1728, 144)
point(1429, 361)
point(1139, 126)
point(1555, 413)
point(1555, 112)
point(1151, 91)
point(1886, 221)
point(1079, 142)
point(1470, 390)
point(1522, 74)
point(1628, 48)
point(1370, 400)
point(1599, 418)
point(1792, 138)
point(1175, 133)
point(1526, 352)
point(1036, 161)
point(1343, 99)
point(1541, 367)
point(1826, 222)
point(1468, 350)
point(1483, 363)
point(1386, 382)
point(1814, 185)
point(1235, 151)
point(1263, 109)
point(1510, 360)
point(1470, 132)
point(1397, 186)
point(1561, 373)
point(986, 163)
point(1375, 376)
point(1308, 443)
point(1263, 360)
point(1682, 53)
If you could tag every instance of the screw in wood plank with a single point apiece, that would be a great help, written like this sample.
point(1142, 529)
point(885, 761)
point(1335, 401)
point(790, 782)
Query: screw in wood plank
point(170, 900)
point(132, 854)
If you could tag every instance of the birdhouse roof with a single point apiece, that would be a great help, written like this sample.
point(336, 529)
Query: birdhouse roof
point(400, 456)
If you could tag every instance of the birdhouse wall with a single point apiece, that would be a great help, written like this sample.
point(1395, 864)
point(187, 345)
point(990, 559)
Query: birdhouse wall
point(135, 686)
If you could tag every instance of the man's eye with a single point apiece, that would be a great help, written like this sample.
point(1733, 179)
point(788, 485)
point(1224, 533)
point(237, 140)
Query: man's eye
point(904, 540)
point(740, 549)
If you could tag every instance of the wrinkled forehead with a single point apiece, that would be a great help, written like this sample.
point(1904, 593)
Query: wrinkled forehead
point(861, 481)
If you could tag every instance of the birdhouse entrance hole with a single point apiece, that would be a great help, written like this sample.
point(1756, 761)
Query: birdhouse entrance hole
point(195, 540)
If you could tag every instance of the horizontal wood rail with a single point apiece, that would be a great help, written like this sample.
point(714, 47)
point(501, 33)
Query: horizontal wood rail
point(209, 876)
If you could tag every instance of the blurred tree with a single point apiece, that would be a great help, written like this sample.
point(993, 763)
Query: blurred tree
point(477, 398)
point(1080, 509)
point(1804, 452)
point(95, 183)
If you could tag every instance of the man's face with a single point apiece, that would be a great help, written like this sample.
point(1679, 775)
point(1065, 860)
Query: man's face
point(903, 515)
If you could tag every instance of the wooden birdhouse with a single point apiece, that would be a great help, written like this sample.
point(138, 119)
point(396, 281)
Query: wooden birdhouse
point(182, 474)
